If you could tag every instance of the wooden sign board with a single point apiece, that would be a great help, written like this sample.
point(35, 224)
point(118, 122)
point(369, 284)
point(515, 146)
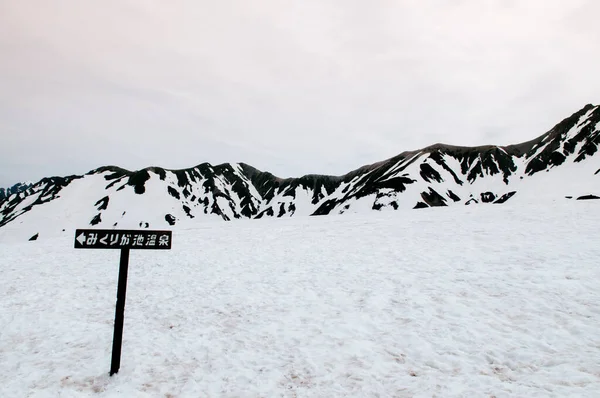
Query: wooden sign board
point(125, 240)
point(122, 239)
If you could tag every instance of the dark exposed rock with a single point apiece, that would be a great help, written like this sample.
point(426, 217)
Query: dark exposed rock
point(162, 174)
point(215, 209)
point(16, 188)
point(588, 197)
point(268, 212)
point(173, 192)
point(453, 196)
point(476, 171)
point(326, 207)
point(137, 181)
point(429, 174)
point(505, 197)
point(34, 237)
point(281, 210)
point(290, 192)
point(588, 149)
point(115, 172)
point(396, 183)
point(316, 184)
point(420, 205)
point(102, 203)
point(187, 211)
point(96, 220)
point(433, 199)
point(437, 157)
point(487, 197)
point(170, 219)
point(182, 178)
point(556, 158)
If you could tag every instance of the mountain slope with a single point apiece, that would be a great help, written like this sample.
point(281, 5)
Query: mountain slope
point(562, 162)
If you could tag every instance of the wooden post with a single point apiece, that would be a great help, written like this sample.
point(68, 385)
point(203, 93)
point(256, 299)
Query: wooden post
point(119, 312)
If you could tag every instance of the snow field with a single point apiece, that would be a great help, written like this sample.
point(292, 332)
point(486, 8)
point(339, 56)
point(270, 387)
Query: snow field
point(472, 301)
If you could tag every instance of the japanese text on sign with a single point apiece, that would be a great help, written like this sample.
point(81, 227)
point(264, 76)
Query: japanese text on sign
point(119, 239)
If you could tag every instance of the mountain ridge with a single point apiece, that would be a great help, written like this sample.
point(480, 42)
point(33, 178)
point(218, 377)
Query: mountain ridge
point(437, 175)
point(15, 188)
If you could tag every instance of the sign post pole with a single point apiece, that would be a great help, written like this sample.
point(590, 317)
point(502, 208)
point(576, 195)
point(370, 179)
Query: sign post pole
point(124, 240)
point(115, 363)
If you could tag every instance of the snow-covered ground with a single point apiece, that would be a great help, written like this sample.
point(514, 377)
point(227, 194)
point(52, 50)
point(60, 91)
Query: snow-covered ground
point(472, 301)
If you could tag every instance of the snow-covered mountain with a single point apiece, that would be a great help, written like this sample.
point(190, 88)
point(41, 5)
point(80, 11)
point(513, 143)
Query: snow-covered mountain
point(558, 165)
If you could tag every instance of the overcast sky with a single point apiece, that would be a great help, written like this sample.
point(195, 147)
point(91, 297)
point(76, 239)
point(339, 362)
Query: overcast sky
point(291, 87)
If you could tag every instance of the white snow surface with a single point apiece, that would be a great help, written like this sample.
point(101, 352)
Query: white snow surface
point(468, 301)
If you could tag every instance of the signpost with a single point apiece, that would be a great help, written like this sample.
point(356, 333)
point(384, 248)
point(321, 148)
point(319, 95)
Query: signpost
point(124, 240)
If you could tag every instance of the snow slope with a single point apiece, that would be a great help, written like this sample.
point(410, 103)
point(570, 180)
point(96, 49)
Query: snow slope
point(470, 301)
